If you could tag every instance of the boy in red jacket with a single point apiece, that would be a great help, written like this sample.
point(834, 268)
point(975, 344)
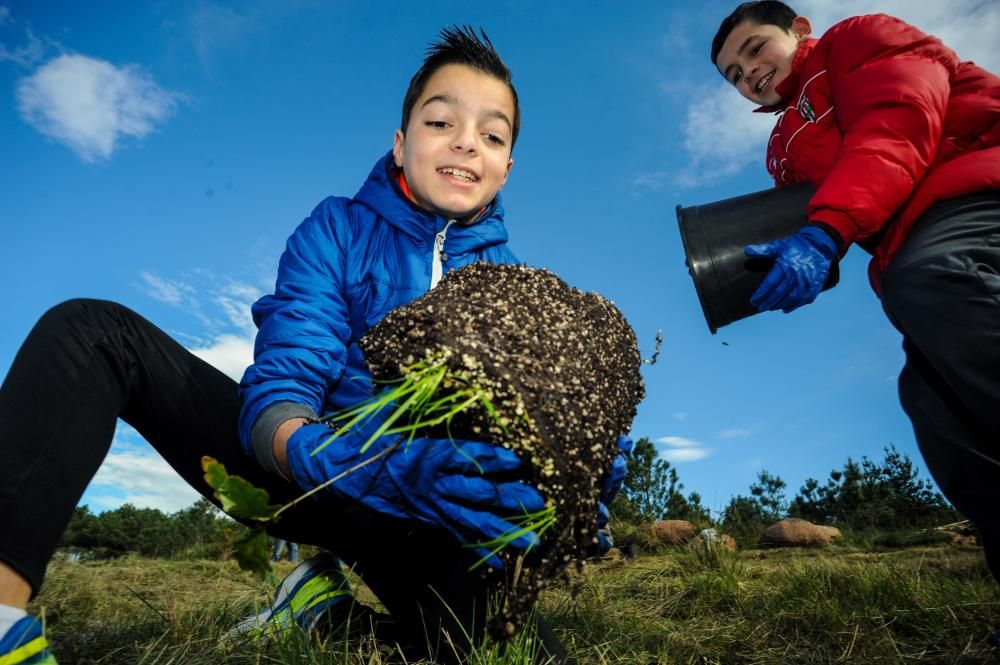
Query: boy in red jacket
point(902, 142)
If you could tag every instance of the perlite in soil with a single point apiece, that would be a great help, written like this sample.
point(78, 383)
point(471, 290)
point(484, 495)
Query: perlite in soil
point(514, 356)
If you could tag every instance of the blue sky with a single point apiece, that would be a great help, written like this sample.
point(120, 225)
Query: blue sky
point(158, 154)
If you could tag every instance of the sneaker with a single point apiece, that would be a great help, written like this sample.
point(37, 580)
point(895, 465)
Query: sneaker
point(25, 644)
point(304, 598)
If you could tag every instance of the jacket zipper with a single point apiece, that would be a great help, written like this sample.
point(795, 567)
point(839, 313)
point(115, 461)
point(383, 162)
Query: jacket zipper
point(439, 257)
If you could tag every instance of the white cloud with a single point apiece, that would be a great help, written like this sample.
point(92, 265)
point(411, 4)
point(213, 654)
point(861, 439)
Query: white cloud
point(968, 26)
point(722, 134)
point(653, 180)
point(220, 303)
point(228, 353)
point(166, 291)
point(679, 455)
point(679, 415)
point(134, 473)
point(677, 449)
point(677, 442)
point(235, 299)
point(222, 306)
point(90, 106)
point(27, 55)
point(214, 27)
point(4, 14)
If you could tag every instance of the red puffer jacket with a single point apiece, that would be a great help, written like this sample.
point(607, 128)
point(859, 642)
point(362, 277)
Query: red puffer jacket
point(885, 121)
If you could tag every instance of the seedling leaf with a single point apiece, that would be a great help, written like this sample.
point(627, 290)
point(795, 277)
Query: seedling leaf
point(238, 497)
point(252, 553)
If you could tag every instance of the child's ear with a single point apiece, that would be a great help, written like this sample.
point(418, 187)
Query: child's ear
point(397, 148)
point(510, 165)
point(801, 28)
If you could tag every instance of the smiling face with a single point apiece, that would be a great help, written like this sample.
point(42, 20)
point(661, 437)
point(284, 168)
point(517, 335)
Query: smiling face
point(756, 58)
point(455, 152)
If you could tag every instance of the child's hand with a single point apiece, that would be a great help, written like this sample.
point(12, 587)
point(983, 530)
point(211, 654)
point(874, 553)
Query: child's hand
point(801, 267)
point(604, 540)
point(614, 478)
point(611, 485)
point(441, 482)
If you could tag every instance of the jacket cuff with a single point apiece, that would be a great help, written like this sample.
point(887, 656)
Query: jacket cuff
point(834, 235)
point(262, 435)
point(839, 225)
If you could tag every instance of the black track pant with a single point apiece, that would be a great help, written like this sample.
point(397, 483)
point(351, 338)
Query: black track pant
point(942, 291)
point(88, 362)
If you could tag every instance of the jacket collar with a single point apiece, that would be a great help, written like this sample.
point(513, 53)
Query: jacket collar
point(382, 194)
point(787, 88)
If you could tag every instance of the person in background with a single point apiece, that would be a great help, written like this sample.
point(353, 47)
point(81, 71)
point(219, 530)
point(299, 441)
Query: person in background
point(279, 550)
point(901, 139)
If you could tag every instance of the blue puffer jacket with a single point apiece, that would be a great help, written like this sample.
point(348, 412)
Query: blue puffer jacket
point(344, 268)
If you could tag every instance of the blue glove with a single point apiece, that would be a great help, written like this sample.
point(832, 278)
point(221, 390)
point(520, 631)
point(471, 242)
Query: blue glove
point(440, 482)
point(802, 264)
point(604, 539)
point(614, 478)
point(611, 485)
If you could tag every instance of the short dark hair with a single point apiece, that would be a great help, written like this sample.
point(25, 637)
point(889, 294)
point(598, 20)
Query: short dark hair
point(460, 45)
point(761, 12)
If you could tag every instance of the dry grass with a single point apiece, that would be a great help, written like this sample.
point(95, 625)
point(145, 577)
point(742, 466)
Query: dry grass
point(927, 605)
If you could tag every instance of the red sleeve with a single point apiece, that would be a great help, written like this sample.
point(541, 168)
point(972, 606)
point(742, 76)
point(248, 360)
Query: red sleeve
point(890, 86)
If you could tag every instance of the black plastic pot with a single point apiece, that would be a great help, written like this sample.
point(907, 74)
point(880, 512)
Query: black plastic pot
point(715, 234)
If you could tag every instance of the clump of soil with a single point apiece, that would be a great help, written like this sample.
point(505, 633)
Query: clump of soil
point(561, 369)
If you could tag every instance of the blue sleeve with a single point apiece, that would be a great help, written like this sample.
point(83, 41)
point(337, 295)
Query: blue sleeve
point(303, 328)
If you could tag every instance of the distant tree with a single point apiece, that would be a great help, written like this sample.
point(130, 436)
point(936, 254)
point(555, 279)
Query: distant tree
point(829, 504)
point(200, 519)
point(745, 517)
point(769, 494)
point(653, 490)
point(647, 487)
point(688, 508)
point(204, 530)
point(911, 501)
point(126, 529)
point(201, 530)
point(81, 523)
point(812, 502)
point(882, 496)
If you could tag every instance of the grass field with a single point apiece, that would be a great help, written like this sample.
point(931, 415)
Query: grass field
point(837, 605)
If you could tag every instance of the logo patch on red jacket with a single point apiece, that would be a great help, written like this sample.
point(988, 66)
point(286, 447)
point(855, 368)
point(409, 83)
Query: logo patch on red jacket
point(806, 109)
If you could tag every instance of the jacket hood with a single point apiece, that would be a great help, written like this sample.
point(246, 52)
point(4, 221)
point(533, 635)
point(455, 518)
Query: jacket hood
point(381, 193)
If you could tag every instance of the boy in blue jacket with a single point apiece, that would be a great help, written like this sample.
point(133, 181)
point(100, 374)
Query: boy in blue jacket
point(429, 206)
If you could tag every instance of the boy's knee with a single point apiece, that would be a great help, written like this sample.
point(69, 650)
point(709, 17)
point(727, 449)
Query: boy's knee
point(79, 310)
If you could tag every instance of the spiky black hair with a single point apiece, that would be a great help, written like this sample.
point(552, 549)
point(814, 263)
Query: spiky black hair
point(461, 45)
point(761, 12)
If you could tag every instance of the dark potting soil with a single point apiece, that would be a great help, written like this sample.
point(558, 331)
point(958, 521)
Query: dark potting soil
point(562, 368)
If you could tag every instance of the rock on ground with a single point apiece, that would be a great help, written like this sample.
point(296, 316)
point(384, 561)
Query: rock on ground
point(832, 530)
point(794, 532)
point(725, 541)
point(673, 532)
